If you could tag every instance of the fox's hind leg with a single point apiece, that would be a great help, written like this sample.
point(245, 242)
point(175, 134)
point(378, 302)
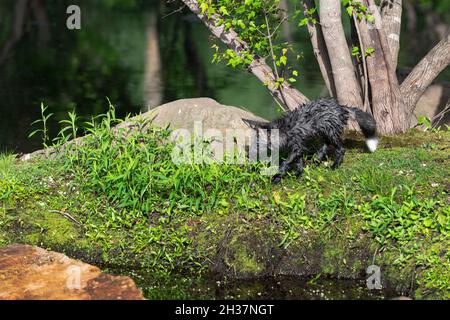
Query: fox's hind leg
point(300, 167)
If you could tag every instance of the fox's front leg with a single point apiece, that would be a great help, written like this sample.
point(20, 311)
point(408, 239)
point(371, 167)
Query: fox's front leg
point(285, 165)
point(321, 153)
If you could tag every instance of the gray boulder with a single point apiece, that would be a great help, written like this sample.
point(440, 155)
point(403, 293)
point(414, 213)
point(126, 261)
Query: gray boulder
point(185, 114)
point(182, 114)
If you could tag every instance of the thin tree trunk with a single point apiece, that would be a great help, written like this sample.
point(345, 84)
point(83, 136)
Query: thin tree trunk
point(399, 114)
point(425, 72)
point(195, 64)
point(436, 28)
point(348, 91)
point(285, 92)
point(320, 49)
point(18, 23)
point(43, 22)
point(153, 72)
point(411, 26)
point(391, 13)
point(379, 83)
point(361, 63)
point(287, 34)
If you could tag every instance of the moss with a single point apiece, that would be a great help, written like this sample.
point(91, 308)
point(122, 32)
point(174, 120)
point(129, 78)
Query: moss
point(246, 262)
point(3, 239)
point(357, 266)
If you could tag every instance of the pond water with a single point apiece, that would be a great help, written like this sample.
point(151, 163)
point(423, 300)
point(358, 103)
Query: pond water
point(136, 53)
point(267, 288)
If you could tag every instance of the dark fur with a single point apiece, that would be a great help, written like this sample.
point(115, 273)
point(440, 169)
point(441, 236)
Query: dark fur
point(322, 119)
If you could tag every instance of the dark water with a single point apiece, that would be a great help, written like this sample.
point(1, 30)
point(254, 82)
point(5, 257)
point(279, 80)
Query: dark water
point(277, 288)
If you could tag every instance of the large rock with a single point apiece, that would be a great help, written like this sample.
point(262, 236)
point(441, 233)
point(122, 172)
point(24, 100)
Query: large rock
point(213, 115)
point(205, 119)
point(32, 273)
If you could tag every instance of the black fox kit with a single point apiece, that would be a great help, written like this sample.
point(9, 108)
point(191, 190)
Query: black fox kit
point(322, 119)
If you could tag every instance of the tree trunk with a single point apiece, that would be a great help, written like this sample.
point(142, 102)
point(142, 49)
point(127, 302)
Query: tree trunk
point(153, 65)
point(44, 25)
point(379, 83)
point(320, 49)
point(386, 101)
point(18, 23)
point(411, 26)
point(287, 34)
point(391, 13)
point(285, 93)
point(195, 64)
point(348, 91)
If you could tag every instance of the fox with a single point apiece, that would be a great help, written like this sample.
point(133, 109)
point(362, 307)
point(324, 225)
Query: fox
point(323, 119)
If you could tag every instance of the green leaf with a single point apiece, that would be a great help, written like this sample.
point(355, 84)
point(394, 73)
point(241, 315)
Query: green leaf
point(312, 10)
point(349, 10)
point(303, 22)
point(204, 7)
point(427, 222)
point(241, 24)
point(223, 10)
point(369, 51)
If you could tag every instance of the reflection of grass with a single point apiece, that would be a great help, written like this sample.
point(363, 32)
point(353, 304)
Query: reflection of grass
point(138, 208)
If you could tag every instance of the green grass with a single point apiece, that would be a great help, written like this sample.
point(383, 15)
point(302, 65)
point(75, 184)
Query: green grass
point(136, 208)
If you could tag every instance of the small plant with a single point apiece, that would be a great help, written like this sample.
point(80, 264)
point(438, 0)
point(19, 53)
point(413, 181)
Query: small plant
point(44, 130)
point(71, 126)
point(424, 121)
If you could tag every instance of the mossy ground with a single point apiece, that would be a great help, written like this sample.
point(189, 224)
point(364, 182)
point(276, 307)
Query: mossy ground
point(390, 208)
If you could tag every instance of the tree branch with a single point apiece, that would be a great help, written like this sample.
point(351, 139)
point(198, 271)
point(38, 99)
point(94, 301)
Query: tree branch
point(362, 50)
point(285, 92)
point(425, 72)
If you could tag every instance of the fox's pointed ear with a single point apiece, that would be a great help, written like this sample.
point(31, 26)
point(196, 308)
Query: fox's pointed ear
point(256, 124)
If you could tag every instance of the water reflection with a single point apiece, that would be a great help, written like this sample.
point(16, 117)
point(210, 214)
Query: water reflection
point(130, 54)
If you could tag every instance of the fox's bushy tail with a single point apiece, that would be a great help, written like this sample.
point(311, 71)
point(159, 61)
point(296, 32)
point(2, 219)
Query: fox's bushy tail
point(368, 127)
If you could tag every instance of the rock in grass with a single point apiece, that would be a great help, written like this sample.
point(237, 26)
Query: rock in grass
point(184, 114)
point(32, 273)
point(213, 115)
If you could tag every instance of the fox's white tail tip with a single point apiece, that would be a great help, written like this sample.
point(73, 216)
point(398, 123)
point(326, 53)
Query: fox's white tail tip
point(372, 144)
